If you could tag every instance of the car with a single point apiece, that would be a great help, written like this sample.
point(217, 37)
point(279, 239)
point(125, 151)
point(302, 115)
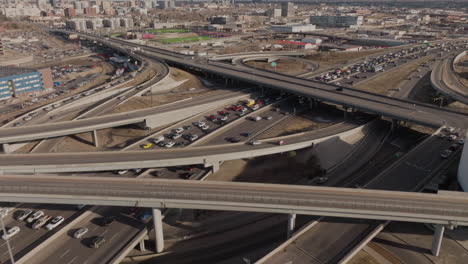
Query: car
point(211, 117)
point(223, 118)
point(80, 232)
point(246, 134)
point(97, 242)
point(24, 214)
point(232, 139)
point(268, 117)
point(242, 114)
point(452, 137)
point(453, 147)
point(147, 145)
point(223, 112)
point(122, 172)
point(205, 127)
point(255, 142)
point(322, 180)
point(11, 232)
point(339, 89)
point(193, 137)
point(158, 139)
point(255, 118)
point(446, 153)
point(176, 136)
point(35, 216)
point(106, 220)
point(55, 222)
point(40, 222)
point(461, 141)
point(179, 130)
point(281, 142)
point(169, 144)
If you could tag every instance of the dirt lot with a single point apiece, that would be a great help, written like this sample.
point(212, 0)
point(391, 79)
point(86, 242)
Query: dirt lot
point(462, 71)
point(384, 82)
point(304, 122)
point(179, 93)
point(283, 66)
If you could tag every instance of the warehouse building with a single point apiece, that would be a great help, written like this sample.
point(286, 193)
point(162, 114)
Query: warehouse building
point(16, 81)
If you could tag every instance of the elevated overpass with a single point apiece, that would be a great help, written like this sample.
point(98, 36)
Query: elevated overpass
point(391, 107)
point(209, 156)
point(449, 208)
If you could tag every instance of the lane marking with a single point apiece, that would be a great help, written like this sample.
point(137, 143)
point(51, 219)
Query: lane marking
point(73, 259)
point(66, 252)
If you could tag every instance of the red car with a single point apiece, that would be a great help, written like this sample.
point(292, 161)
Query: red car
point(222, 112)
point(232, 107)
point(211, 117)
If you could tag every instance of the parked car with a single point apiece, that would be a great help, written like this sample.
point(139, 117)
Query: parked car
point(35, 216)
point(158, 139)
point(24, 214)
point(11, 232)
point(255, 142)
point(147, 145)
point(107, 220)
point(55, 222)
point(41, 221)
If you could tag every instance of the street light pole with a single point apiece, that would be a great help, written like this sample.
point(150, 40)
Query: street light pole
point(10, 252)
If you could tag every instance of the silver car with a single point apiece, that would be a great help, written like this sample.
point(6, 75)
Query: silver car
point(80, 232)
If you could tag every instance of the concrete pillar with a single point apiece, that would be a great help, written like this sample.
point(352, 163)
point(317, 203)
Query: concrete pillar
point(95, 138)
point(158, 230)
point(215, 167)
point(437, 240)
point(142, 245)
point(291, 224)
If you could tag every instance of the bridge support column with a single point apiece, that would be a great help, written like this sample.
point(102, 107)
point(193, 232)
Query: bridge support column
point(158, 230)
point(95, 138)
point(437, 240)
point(214, 165)
point(395, 124)
point(142, 245)
point(291, 224)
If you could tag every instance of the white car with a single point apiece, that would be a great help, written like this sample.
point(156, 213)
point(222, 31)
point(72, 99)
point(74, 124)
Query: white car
point(255, 142)
point(55, 222)
point(268, 117)
point(24, 214)
point(11, 232)
point(41, 221)
point(169, 144)
point(80, 232)
point(179, 130)
point(205, 127)
point(158, 139)
point(35, 216)
point(193, 137)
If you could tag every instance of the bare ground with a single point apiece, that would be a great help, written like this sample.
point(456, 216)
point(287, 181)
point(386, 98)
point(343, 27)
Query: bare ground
point(384, 82)
point(283, 66)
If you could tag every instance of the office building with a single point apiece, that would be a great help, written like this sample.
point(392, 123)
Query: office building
point(287, 9)
point(16, 81)
point(336, 21)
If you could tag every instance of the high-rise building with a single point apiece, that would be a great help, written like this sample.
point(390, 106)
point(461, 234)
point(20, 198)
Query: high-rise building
point(287, 9)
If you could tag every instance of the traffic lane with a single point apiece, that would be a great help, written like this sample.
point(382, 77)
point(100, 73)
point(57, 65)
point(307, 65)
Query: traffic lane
point(417, 167)
point(115, 156)
point(248, 126)
point(28, 238)
point(72, 250)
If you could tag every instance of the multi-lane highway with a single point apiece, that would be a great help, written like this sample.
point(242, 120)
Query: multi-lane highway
point(390, 107)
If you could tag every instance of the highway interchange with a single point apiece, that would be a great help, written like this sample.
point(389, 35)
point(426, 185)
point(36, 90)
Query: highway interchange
point(293, 85)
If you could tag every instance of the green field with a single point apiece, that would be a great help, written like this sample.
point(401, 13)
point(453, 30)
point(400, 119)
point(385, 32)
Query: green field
point(183, 39)
point(168, 30)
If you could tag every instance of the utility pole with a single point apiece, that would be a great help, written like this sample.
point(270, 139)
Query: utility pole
point(10, 252)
